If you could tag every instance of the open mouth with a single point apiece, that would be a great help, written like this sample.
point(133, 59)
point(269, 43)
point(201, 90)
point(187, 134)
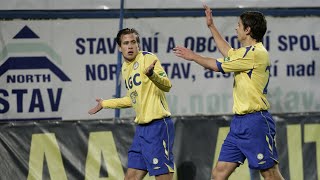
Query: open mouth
point(130, 52)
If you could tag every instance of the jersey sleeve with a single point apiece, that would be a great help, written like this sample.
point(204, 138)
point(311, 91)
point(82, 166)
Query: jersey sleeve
point(124, 102)
point(159, 76)
point(237, 61)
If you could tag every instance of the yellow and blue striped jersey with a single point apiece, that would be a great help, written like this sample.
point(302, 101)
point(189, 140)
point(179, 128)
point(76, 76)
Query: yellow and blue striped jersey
point(145, 94)
point(251, 67)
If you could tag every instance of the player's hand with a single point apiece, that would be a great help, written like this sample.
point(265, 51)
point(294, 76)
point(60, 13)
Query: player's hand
point(208, 13)
point(149, 70)
point(184, 53)
point(97, 108)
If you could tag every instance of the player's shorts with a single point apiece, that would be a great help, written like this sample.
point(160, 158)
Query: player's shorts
point(152, 146)
point(252, 137)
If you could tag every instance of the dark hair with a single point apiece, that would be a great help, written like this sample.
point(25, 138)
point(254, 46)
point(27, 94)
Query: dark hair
point(127, 31)
point(257, 22)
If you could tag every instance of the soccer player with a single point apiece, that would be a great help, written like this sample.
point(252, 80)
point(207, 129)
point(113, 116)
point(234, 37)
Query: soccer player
point(252, 129)
point(146, 83)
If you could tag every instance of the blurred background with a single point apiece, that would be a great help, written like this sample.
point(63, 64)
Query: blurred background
point(56, 57)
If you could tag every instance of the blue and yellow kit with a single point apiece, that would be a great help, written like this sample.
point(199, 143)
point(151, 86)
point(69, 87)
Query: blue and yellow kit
point(252, 129)
point(251, 67)
point(145, 94)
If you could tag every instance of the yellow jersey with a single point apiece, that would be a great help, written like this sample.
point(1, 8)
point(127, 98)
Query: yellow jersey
point(251, 67)
point(145, 94)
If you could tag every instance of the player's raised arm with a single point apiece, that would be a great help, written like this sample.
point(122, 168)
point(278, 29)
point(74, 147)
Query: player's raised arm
point(222, 44)
point(187, 54)
point(157, 75)
point(149, 69)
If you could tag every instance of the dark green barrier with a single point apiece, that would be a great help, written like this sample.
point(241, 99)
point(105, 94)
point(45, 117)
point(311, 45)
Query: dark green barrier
point(75, 150)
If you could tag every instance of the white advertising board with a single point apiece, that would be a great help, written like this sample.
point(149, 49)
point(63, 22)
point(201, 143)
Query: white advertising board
point(55, 69)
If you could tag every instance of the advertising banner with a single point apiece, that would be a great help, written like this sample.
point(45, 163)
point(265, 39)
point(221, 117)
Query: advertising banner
point(96, 149)
point(54, 69)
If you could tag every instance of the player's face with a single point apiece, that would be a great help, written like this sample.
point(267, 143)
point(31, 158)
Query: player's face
point(129, 46)
point(242, 34)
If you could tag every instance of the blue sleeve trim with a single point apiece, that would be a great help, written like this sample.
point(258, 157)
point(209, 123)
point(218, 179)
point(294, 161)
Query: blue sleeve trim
point(219, 64)
point(250, 73)
point(145, 52)
point(247, 50)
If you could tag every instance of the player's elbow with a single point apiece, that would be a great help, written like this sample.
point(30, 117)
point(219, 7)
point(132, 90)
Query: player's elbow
point(216, 69)
point(167, 88)
point(213, 67)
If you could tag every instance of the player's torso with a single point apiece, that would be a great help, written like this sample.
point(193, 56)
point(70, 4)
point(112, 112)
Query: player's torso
point(250, 86)
point(258, 76)
point(134, 79)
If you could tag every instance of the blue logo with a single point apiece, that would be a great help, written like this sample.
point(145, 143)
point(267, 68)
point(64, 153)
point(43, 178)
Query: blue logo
point(33, 101)
point(30, 62)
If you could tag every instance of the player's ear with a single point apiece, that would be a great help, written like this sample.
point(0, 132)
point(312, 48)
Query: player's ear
point(248, 30)
point(119, 48)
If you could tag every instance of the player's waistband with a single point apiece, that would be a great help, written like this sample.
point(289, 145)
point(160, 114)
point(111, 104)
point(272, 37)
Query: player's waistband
point(254, 112)
point(156, 121)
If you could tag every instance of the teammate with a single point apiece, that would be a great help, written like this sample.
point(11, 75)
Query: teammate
point(146, 83)
point(252, 129)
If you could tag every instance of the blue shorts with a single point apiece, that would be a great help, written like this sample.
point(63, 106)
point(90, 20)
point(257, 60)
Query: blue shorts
point(251, 137)
point(152, 146)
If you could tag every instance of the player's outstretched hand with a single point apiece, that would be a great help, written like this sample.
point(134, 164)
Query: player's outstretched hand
point(208, 12)
point(184, 53)
point(97, 108)
point(149, 70)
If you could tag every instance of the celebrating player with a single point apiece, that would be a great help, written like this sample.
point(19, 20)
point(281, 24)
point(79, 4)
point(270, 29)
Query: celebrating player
point(146, 83)
point(252, 129)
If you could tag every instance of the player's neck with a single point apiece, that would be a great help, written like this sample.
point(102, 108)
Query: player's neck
point(128, 61)
point(248, 42)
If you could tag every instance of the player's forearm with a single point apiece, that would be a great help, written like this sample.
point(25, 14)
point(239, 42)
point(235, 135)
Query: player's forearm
point(161, 82)
point(206, 62)
point(123, 102)
point(221, 43)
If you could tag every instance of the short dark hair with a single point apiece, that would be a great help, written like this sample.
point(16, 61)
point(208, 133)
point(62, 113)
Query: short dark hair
point(127, 31)
point(257, 22)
